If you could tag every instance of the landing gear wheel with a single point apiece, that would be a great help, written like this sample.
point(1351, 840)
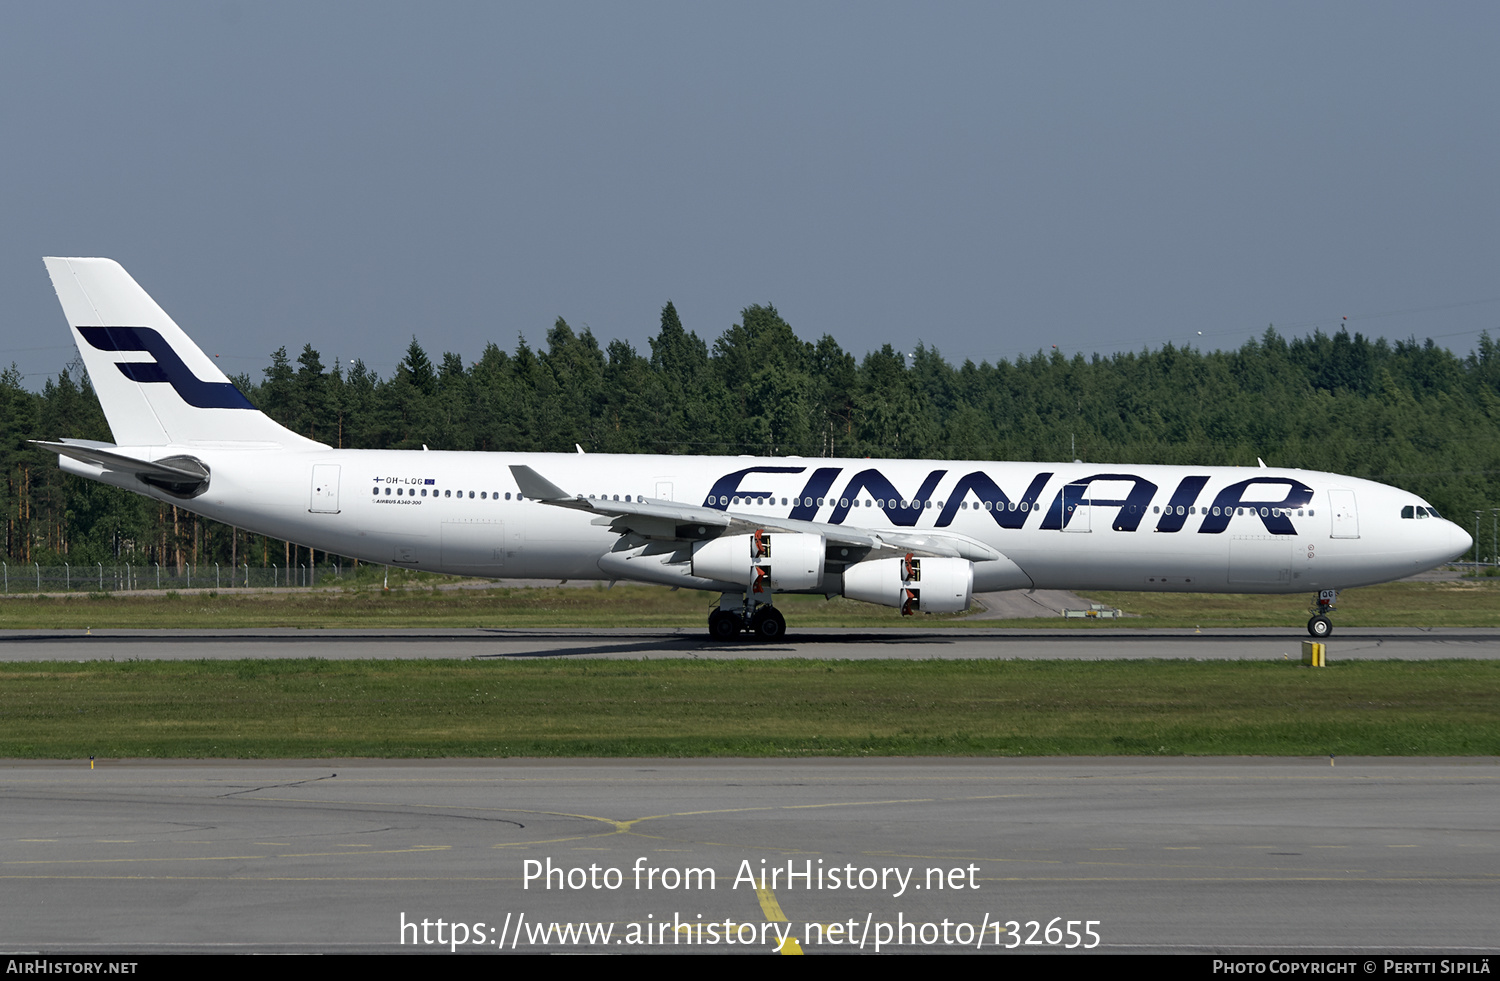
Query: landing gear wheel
point(768, 624)
point(1320, 627)
point(723, 625)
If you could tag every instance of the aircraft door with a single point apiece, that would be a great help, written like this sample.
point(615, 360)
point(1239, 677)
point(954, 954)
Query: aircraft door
point(664, 490)
point(1345, 515)
point(325, 489)
point(1076, 517)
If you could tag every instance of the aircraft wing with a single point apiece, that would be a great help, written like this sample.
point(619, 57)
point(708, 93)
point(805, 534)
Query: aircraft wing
point(675, 521)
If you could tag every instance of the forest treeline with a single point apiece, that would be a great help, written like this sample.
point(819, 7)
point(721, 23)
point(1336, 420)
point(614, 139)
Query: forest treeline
point(1410, 414)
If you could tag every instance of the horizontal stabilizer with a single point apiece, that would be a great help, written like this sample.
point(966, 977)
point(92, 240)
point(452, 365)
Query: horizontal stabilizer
point(181, 475)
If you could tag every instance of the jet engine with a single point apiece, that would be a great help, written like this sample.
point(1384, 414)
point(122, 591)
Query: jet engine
point(936, 585)
point(763, 560)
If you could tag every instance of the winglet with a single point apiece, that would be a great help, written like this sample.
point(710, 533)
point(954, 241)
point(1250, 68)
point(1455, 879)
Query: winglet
point(537, 487)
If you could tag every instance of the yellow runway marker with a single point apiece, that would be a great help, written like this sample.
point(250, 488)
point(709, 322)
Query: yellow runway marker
point(772, 910)
point(768, 904)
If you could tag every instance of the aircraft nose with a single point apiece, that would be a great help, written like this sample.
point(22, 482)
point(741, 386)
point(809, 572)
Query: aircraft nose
point(1459, 541)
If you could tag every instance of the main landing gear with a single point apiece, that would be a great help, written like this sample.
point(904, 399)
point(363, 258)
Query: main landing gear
point(764, 621)
point(1320, 626)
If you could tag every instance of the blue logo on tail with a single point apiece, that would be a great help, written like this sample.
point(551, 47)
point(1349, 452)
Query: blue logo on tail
point(168, 367)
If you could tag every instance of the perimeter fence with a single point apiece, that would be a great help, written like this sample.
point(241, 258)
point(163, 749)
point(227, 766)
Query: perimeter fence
point(101, 578)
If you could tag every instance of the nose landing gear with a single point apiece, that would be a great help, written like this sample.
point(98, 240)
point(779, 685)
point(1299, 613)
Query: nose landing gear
point(1320, 626)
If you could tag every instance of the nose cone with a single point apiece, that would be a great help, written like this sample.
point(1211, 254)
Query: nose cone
point(1459, 541)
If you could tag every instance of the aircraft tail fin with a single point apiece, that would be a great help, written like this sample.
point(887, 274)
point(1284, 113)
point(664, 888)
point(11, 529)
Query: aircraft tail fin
point(155, 385)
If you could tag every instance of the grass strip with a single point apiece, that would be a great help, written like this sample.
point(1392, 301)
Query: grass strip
point(1446, 603)
point(395, 709)
point(414, 606)
point(1461, 603)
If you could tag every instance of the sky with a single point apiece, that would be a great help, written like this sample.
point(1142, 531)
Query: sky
point(988, 179)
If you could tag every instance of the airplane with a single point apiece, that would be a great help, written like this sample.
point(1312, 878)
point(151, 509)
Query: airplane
point(918, 535)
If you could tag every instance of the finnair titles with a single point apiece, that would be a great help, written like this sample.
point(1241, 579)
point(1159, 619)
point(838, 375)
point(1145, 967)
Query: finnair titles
point(920, 536)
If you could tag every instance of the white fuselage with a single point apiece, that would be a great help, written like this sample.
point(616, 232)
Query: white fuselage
point(1065, 525)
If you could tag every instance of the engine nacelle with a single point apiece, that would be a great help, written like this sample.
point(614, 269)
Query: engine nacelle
point(763, 560)
point(936, 585)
